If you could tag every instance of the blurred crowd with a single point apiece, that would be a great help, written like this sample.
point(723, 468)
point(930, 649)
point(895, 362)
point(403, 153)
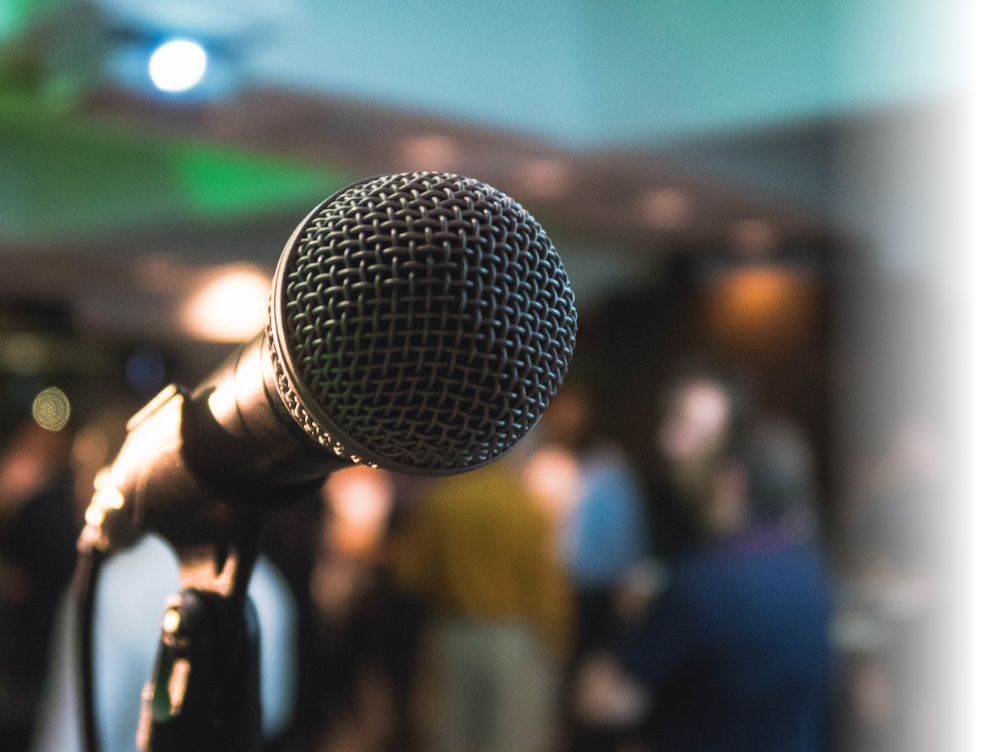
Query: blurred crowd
point(561, 599)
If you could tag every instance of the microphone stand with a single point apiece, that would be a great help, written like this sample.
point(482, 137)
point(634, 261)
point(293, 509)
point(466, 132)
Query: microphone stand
point(205, 690)
point(204, 694)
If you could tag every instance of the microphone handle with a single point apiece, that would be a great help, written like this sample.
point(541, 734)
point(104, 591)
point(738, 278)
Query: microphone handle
point(193, 462)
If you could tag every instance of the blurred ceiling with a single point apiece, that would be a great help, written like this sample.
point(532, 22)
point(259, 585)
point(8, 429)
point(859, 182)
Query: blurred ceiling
point(629, 129)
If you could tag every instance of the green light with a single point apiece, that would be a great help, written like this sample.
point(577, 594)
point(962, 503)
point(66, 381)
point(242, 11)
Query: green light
point(77, 178)
point(217, 182)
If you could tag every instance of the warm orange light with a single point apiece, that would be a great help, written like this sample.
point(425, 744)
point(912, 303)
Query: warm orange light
point(757, 292)
point(231, 308)
point(762, 306)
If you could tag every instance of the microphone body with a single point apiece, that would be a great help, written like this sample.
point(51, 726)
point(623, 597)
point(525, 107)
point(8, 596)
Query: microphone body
point(194, 462)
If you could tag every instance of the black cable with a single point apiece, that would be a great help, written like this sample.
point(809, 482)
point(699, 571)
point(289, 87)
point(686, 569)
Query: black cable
point(88, 565)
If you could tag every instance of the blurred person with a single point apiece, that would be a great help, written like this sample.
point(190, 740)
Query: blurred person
point(370, 630)
point(734, 654)
point(600, 510)
point(703, 412)
point(481, 552)
point(37, 556)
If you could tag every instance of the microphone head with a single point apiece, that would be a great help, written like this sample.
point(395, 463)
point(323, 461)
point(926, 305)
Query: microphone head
point(420, 322)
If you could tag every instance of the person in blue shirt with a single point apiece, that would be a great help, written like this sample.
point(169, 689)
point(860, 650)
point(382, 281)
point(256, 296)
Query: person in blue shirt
point(603, 524)
point(596, 497)
point(735, 653)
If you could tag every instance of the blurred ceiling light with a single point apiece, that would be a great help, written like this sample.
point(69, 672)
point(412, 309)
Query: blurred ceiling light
point(51, 409)
point(763, 308)
point(753, 291)
point(231, 308)
point(754, 237)
point(178, 65)
point(546, 178)
point(665, 208)
point(430, 153)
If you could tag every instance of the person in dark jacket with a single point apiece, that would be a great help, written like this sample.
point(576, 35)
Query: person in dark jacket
point(735, 653)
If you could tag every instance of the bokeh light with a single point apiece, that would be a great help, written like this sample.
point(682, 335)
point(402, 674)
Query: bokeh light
point(51, 409)
point(178, 65)
point(231, 308)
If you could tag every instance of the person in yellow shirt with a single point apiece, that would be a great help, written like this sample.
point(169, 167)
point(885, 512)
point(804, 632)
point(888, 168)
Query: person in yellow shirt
point(480, 551)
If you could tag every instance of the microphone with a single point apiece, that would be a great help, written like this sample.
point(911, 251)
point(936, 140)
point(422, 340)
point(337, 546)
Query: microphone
point(419, 322)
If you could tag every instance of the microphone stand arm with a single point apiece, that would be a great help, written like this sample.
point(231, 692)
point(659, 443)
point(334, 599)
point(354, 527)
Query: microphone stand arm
point(205, 690)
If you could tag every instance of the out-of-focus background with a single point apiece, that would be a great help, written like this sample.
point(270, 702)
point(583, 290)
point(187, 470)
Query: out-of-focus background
point(767, 187)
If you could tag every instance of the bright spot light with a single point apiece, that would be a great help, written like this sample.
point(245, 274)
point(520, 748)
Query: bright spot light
point(94, 516)
point(233, 308)
point(177, 65)
point(109, 497)
point(51, 409)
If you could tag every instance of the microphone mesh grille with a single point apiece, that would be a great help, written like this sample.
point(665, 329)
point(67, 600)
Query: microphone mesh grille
point(428, 318)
